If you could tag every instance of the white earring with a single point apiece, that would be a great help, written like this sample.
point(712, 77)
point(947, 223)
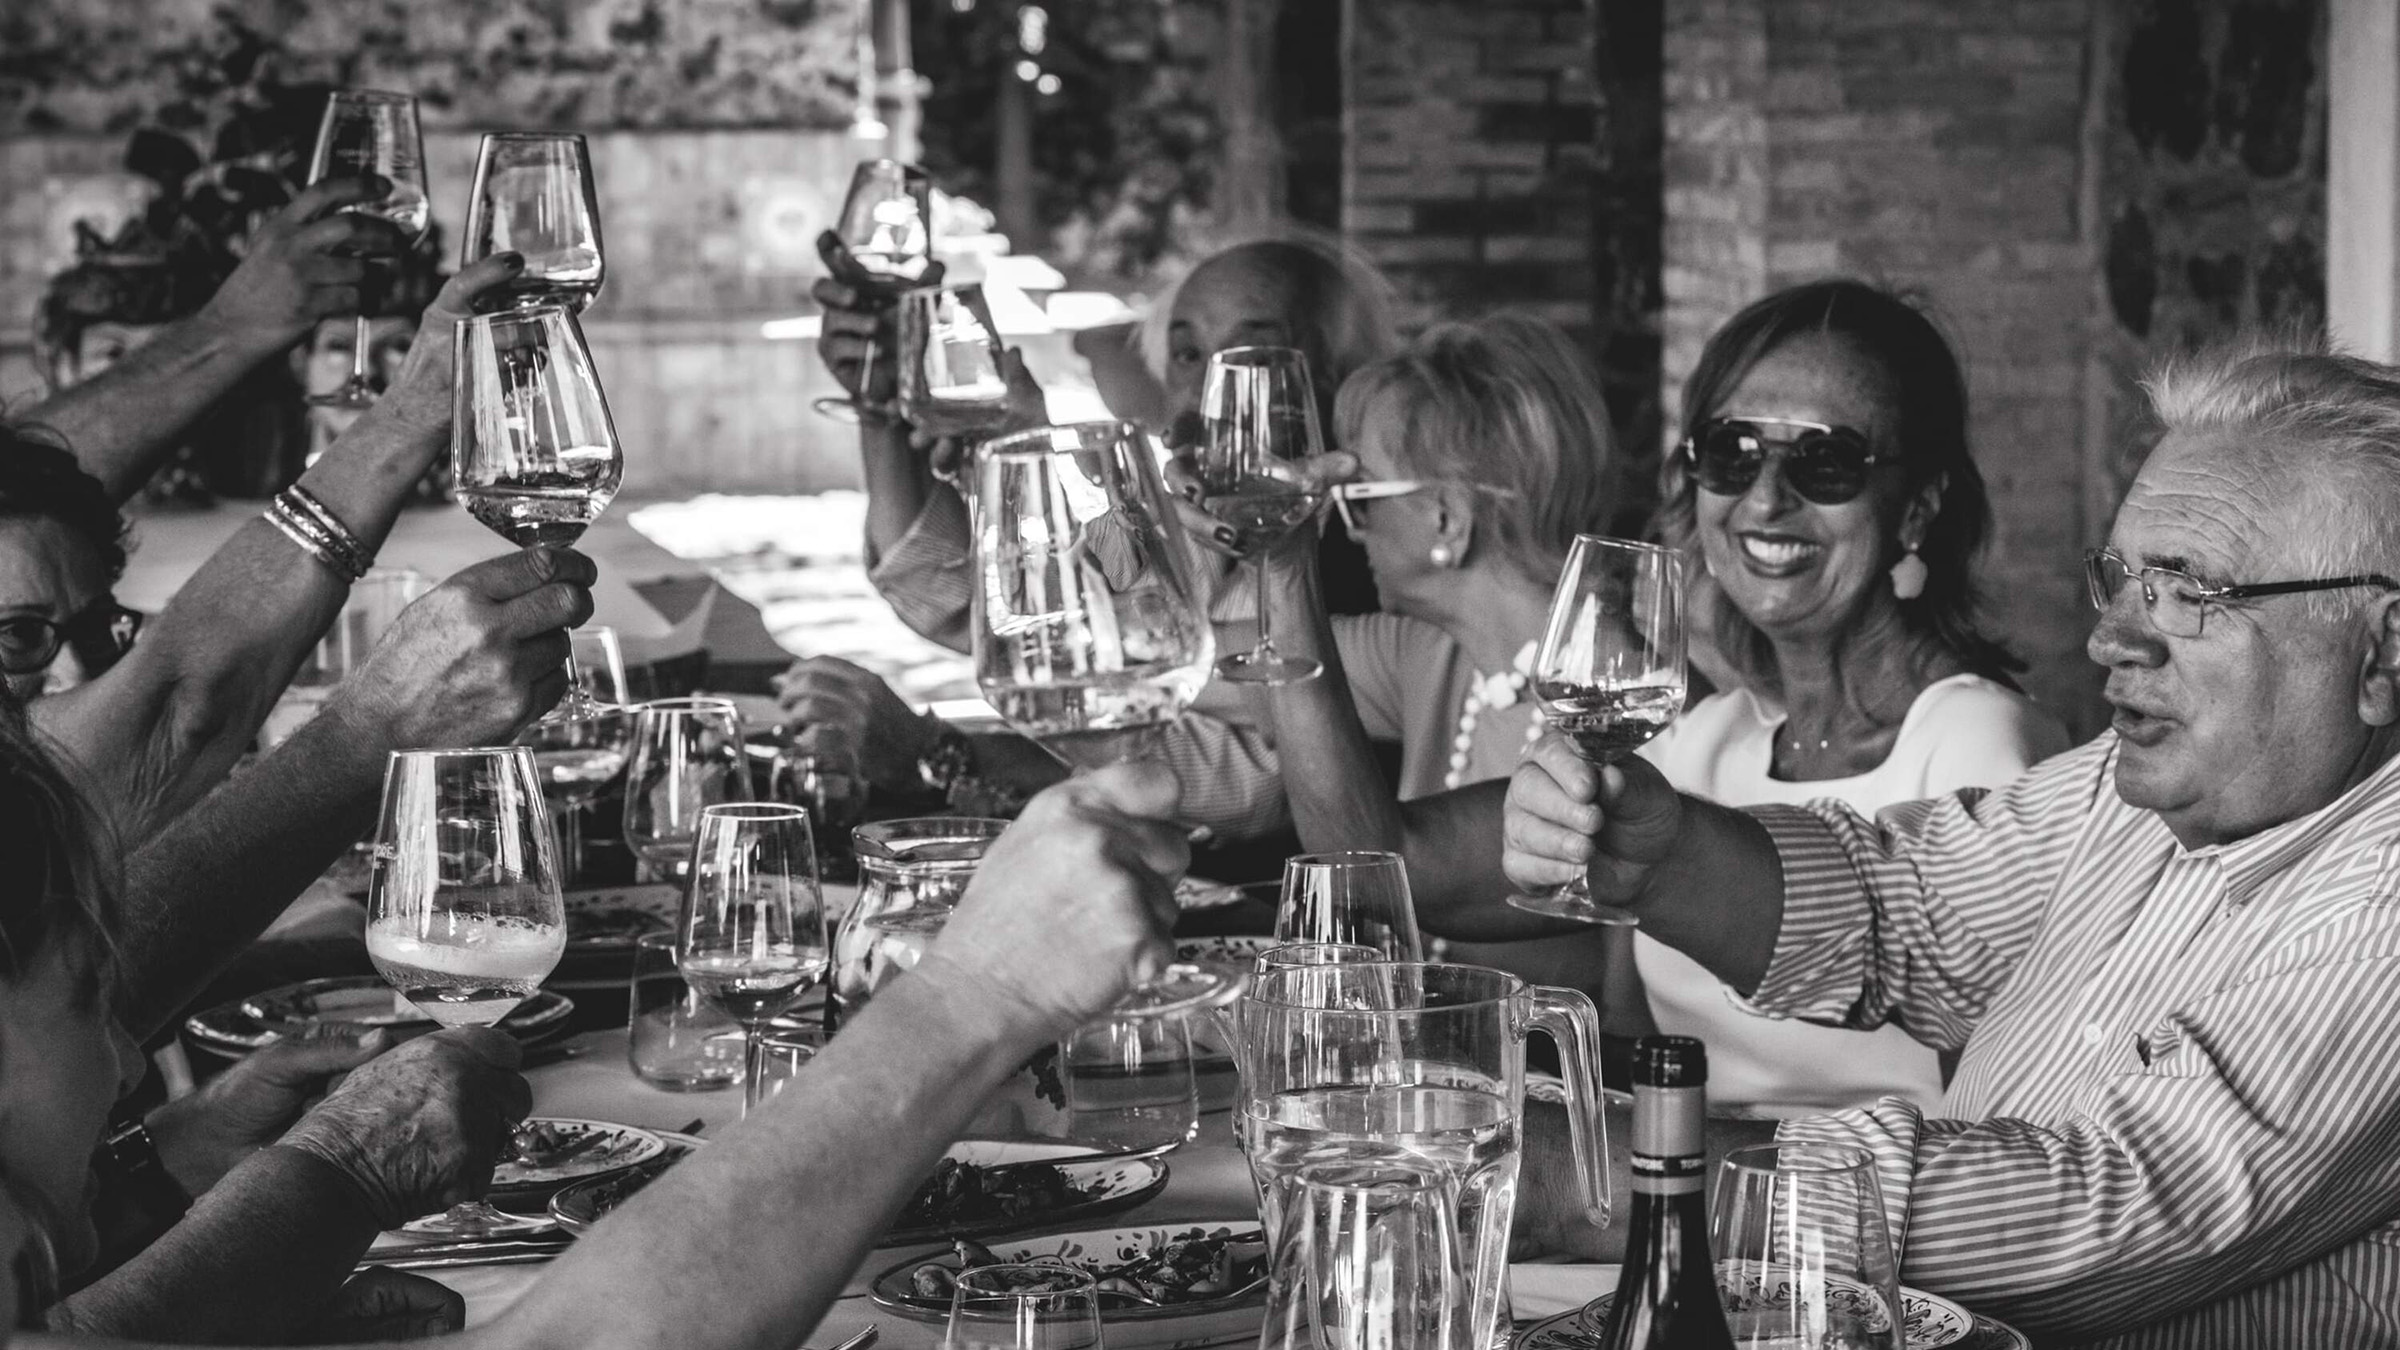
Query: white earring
point(1908, 575)
point(1442, 555)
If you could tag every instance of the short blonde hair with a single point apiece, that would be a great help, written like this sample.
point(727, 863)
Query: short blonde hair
point(1343, 307)
point(1508, 402)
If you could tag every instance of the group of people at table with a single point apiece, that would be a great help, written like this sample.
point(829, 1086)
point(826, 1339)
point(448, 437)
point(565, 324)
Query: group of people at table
point(2113, 1020)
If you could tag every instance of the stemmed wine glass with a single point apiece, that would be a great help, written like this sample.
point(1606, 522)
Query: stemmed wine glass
point(370, 131)
point(534, 196)
point(1359, 898)
point(464, 914)
point(1259, 433)
point(1610, 672)
point(753, 934)
point(886, 226)
point(535, 454)
point(579, 757)
point(951, 380)
point(1087, 635)
point(687, 757)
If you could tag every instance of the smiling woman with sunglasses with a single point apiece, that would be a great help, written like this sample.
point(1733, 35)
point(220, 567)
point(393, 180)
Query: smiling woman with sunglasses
point(61, 552)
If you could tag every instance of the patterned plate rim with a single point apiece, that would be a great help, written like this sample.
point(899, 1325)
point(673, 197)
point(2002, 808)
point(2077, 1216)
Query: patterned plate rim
point(1584, 1323)
point(886, 1286)
point(528, 1021)
point(1084, 1209)
point(651, 1145)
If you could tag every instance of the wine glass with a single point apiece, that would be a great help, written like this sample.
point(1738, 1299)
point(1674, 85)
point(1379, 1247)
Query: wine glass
point(1804, 1250)
point(579, 756)
point(752, 934)
point(1610, 672)
point(1024, 1307)
point(1258, 417)
point(1087, 638)
point(464, 915)
point(887, 226)
point(535, 454)
point(371, 131)
point(687, 756)
point(1357, 898)
point(951, 379)
point(534, 196)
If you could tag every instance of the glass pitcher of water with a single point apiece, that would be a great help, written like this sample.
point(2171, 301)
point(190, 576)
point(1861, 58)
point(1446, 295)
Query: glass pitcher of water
point(911, 874)
point(1378, 1062)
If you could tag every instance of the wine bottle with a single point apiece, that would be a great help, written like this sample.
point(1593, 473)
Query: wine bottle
point(1667, 1293)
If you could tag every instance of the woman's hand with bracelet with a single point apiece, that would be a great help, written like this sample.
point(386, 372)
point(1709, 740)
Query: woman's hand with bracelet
point(846, 712)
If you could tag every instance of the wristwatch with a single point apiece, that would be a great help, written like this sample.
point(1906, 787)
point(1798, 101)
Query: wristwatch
point(128, 1156)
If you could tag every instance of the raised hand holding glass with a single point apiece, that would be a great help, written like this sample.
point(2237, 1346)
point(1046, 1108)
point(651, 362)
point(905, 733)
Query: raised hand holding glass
point(886, 230)
point(1259, 433)
point(534, 196)
point(368, 131)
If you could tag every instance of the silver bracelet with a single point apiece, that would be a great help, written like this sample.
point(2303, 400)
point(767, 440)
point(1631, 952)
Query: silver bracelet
point(319, 535)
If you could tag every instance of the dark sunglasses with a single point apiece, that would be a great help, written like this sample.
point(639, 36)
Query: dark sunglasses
point(99, 635)
point(1827, 465)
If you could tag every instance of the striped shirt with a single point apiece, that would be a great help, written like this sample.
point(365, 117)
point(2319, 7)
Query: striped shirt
point(2176, 1116)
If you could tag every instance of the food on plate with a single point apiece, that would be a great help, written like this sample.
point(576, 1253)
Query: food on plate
point(1192, 1266)
point(546, 1144)
point(963, 1193)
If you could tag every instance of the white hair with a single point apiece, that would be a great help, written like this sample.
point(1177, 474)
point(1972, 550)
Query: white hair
point(2285, 397)
point(1347, 301)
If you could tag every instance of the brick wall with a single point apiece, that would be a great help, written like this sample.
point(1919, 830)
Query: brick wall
point(1470, 165)
point(1937, 146)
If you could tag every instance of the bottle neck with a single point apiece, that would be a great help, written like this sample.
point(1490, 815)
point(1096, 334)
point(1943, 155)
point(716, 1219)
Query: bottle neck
point(1670, 1141)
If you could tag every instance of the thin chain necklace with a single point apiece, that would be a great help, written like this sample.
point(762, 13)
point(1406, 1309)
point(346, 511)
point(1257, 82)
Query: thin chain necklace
point(1491, 693)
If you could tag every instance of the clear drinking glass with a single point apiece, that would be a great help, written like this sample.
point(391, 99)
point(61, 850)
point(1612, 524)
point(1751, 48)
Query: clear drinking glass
point(911, 874)
point(1087, 635)
point(1129, 1083)
point(1610, 671)
point(534, 195)
point(752, 936)
point(687, 756)
point(1368, 1258)
point(1259, 433)
point(1024, 1307)
point(674, 1038)
point(1356, 897)
point(887, 226)
point(1803, 1249)
point(952, 382)
point(580, 756)
point(784, 1049)
point(464, 914)
point(371, 131)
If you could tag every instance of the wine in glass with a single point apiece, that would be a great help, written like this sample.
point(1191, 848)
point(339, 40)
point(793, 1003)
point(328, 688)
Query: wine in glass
point(1087, 636)
point(952, 382)
point(1610, 671)
point(464, 915)
point(370, 131)
point(886, 226)
point(579, 757)
point(1259, 433)
point(687, 757)
point(753, 934)
point(534, 196)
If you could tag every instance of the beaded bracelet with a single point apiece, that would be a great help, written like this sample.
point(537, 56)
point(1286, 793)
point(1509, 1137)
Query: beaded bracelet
point(306, 522)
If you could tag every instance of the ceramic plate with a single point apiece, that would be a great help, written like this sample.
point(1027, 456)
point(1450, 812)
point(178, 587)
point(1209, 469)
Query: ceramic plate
point(609, 918)
point(577, 1207)
point(1928, 1323)
point(585, 1148)
point(362, 1001)
point(1192, 893)
point(229, 1031)
point(1116, 1182)
point(1208, 1321)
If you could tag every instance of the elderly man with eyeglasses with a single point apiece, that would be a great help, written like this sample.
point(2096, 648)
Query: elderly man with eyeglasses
point(2165, 961)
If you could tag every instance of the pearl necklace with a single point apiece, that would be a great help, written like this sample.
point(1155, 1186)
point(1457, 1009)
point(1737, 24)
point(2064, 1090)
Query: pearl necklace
point(1492, 692)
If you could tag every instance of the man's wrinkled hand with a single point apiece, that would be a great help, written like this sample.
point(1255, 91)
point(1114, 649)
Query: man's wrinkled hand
point(306, 263)
point(421, 1128)
point(1074, 904)
point(379, 1305)
point(847, 713)
point(421, 396)
point(202, 1136)
point(1566, 816)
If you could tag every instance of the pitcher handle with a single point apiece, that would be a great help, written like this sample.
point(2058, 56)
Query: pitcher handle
point(1573, 1024)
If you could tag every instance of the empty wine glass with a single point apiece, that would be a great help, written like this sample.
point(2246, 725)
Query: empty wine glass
point(687, 756)
point(886, 226)
point(534, 196)
point(952, 382)
point(1358, 898)
point(370, 131)
point(1610, 671)
point(1024, 1307)
point(464, 914)
point(580, 756)
point(752, 935)
point(1804, 1249)
point(1259, 434)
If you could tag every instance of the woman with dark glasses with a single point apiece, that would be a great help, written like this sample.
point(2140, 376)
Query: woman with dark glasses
point(61, 552)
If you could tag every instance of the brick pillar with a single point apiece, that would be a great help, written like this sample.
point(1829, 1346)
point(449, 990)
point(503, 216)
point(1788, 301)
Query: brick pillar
point(1940, 147)
point(1470, 156)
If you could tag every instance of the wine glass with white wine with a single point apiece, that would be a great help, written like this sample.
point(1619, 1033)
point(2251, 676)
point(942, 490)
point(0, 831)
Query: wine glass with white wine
point(534, 197)
point(464, 913)
point(372, 131)
point(1610, 672)
point(753, 936)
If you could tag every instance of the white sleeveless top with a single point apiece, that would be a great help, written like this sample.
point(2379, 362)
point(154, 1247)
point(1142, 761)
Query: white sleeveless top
point(1965, 731)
